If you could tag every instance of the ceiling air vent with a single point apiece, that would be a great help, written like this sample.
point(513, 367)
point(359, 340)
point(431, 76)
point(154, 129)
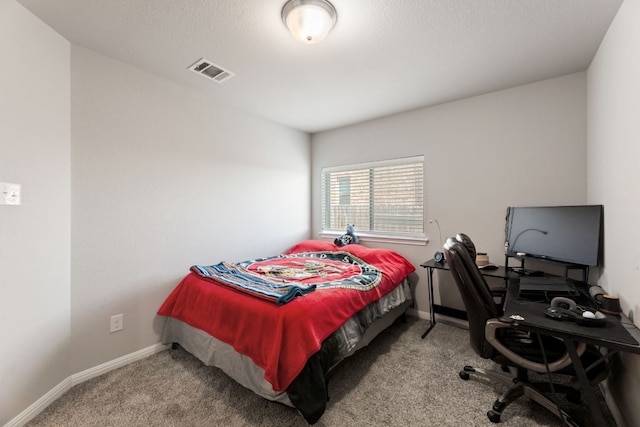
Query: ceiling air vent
point(210, 70)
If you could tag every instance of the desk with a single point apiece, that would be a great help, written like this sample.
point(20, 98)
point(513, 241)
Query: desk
point(619, 334)
point(431, 265)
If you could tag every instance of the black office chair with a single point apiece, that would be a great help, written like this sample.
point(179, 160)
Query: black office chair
point(499, 341)
point(498, 293)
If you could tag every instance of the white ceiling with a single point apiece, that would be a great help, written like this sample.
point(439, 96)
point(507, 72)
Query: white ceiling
point(382, 57)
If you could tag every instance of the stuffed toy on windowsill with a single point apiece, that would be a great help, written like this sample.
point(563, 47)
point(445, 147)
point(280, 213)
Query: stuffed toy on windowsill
point(348, 238)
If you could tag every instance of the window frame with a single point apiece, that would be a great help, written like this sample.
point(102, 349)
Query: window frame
point(417, 238)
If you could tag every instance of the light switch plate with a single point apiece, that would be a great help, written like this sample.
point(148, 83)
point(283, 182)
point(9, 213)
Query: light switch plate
point(9, 193)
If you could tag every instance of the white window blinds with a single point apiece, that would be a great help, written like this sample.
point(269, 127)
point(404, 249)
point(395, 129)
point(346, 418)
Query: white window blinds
point(380, 198)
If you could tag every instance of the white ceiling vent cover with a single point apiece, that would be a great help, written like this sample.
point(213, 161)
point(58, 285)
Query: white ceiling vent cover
point(211, 71)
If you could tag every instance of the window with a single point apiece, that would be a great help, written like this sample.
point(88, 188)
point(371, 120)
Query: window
point(381, 198)
point(344, 188)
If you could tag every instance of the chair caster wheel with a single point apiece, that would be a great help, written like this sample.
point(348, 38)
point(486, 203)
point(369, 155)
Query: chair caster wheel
point(464, 375)
point(493, 416)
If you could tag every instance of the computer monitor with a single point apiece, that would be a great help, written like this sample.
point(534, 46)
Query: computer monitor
point(570, 234)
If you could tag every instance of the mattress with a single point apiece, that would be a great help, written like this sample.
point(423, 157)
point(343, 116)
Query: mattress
point(278, 325)
point(355, 334)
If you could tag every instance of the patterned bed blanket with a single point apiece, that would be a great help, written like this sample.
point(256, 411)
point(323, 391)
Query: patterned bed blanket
point(281, 338)
point(282, 278)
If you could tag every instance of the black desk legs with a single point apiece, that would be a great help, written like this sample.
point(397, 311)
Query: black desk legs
point(432, 314)
point(587, 390)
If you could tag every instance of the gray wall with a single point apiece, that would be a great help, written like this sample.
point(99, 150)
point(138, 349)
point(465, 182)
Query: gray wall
point(521, 146)
point(127, 180)
point(614, 174)
point(34, 237)
point(164, 178)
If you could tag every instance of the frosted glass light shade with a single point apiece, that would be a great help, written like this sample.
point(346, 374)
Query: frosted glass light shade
point(309, 20)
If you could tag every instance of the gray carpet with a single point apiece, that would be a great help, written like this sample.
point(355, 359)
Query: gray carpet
point(398, 380)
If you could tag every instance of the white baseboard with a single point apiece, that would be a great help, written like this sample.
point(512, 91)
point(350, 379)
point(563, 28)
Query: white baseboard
point(452, 321)
point(96, 371)
point(40, 405)
point(420, 314)
point(440, 318)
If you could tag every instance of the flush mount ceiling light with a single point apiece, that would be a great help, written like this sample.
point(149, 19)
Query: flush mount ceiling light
point(309, 20)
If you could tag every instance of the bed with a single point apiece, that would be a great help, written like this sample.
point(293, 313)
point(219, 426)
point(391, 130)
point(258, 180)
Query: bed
point(278, 325)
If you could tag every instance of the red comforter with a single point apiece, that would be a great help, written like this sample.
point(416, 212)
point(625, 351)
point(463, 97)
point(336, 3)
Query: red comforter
point(280, 339)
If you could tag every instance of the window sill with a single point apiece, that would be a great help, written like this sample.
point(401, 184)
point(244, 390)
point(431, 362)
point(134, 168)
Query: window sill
point(417, 241)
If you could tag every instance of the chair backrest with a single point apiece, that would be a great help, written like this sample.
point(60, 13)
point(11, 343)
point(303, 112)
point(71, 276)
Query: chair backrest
point(468, 243)
point(476, 296)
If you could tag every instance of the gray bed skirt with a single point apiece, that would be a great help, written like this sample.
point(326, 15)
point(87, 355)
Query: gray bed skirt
point(355, 334)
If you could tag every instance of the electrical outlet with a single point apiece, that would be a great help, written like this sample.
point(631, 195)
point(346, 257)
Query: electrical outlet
point(117, 322)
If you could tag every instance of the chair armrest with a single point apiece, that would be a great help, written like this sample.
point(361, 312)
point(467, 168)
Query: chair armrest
point(493, 325)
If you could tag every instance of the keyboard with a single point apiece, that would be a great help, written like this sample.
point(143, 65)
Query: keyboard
point(546, 287)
